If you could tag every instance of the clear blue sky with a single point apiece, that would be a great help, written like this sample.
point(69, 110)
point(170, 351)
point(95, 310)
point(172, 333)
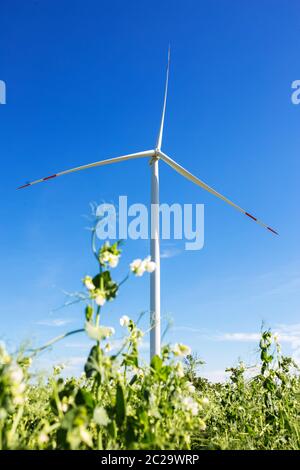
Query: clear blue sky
point(85, 82)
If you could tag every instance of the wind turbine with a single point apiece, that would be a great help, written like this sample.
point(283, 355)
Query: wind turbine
point(155, 155)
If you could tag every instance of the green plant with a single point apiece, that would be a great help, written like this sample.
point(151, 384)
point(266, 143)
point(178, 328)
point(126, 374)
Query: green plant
point(261, 412)
point(120, 402)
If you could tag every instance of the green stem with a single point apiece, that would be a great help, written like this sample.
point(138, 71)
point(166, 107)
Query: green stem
point(100, 444)
point(98, 315)
point(124, 280)
point(16, 422)
point(57, 399)
point(55, 340)
point(98, 346)
point(94, 250)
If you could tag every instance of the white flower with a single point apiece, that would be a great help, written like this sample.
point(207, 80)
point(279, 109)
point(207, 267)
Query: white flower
point(57, 369)
point(64, 407)
point(104, 257)
point(15, 374)
point(88, 282)
point(124, 320)
point(92, 330)
point(43, 438)
point(149, 265)
point(181, 350)
point(100, 416)
point(98, 332)
point(18, 400)
point(85, 436)
point(275, 337)
point(204, 401)
point(100, 299)
point(107, 347)
point(108, 257)
point(190, 405)
point(18, 389)
point(179, 370)
point(137, 267)
point(190, 387)
point(113, 260)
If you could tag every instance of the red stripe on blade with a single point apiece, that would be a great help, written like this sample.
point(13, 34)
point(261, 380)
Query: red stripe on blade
point(49, 177)
point(251, 216)
point(271, 230)
point(24, 186)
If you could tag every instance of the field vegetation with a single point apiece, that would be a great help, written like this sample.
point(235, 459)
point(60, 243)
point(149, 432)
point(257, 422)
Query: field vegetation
point(121, 403)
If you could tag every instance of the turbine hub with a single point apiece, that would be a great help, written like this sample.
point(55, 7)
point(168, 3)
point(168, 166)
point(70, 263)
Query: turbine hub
point(157, 153)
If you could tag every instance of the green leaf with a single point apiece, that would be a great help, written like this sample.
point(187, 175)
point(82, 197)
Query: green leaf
point(91, 365)
point(88, 312)
point(164, 373)
point(120, 405)
point(130, 360)
point(112, 429)
point(61, 439)
point(98, 332)
point(133, 380)
point(156, 363)
point(130, 436)
point(105, 282)
point(84, 397)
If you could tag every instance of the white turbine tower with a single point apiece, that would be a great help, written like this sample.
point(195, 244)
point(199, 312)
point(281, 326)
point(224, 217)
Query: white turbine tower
point(155, 155)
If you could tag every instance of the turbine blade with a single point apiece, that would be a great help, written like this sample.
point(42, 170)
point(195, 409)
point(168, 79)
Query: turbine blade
point(161, 129)
point(182, 171)
point(147, 153)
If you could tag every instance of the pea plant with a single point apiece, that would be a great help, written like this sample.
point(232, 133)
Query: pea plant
point(257, 412)
point(119, 402)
